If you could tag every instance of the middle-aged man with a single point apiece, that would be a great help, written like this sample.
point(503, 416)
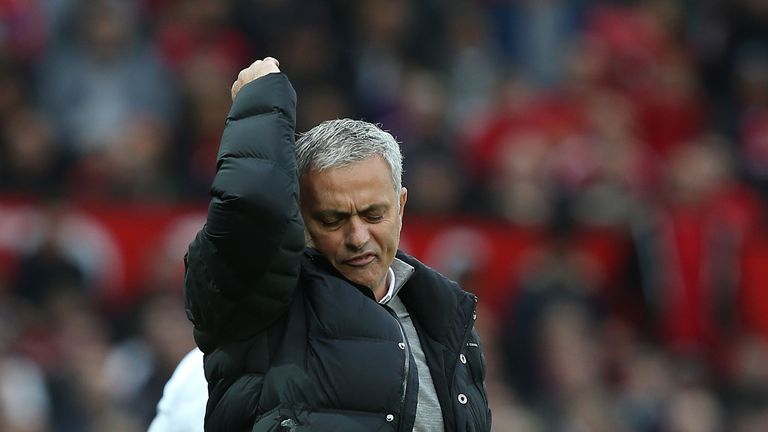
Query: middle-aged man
point(308, 315)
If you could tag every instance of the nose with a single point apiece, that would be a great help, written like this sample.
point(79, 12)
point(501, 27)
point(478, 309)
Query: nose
point(357, 234)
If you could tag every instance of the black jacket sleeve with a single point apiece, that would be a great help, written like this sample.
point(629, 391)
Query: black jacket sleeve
point(242, 267)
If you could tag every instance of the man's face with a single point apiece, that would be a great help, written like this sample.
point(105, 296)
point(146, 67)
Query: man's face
point(354, 220)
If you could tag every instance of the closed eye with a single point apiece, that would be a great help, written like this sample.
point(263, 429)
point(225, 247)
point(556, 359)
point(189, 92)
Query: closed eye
point(330, 223)
point(374, 218)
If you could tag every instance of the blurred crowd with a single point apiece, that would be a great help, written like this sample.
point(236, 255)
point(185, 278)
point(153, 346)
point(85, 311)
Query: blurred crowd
point(648, 118)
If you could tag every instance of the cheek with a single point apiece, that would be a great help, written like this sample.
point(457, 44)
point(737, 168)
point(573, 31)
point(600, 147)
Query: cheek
point(326, 242)
point(388, 237)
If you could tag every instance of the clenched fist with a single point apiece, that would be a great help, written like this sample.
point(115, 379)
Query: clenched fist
point(257, 69)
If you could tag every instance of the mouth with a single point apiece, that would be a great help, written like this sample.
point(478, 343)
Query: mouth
point(360, 260)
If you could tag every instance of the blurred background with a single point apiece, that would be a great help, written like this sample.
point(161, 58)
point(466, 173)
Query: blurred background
point(596, 171)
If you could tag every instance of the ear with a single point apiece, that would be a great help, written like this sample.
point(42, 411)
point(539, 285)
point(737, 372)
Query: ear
point(403, 199)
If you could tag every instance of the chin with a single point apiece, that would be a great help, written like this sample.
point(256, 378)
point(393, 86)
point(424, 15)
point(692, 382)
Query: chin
point(364, 282)
point(369, 282)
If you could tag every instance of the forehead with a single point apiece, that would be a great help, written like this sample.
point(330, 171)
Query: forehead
point(359, 184)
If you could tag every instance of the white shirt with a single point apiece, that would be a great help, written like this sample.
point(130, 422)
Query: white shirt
point(391, 291)
point(182, 407)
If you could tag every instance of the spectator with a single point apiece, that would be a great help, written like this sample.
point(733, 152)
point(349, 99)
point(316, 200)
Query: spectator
point(104, 78)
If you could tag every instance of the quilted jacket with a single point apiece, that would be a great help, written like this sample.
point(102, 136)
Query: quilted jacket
point(289, 343)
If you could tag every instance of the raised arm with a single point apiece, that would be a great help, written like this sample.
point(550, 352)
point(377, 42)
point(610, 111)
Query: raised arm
point(242, 267)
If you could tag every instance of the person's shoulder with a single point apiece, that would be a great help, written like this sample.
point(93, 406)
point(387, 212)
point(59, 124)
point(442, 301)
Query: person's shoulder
point(187, 379)
point(190, 364)
point(426, 275)
point(420, 267)
point(182, 407)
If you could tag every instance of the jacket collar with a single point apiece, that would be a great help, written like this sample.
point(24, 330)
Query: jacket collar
point(435, 302)
point(402, 272)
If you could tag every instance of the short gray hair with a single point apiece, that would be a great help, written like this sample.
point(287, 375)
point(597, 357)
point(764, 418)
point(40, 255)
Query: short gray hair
point(342, 142)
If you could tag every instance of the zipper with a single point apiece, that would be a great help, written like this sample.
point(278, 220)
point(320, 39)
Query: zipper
point(406, 365)
point(467, 326)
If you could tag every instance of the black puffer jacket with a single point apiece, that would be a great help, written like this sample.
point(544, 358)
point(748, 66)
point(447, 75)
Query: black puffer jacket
point(289, 343)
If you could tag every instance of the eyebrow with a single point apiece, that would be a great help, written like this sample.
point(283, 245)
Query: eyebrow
point(342, 214)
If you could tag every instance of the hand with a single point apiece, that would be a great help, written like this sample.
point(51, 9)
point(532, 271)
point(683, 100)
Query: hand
point(257, 69)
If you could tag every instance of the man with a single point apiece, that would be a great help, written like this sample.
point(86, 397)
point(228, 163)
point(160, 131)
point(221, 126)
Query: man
point(347, 334)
